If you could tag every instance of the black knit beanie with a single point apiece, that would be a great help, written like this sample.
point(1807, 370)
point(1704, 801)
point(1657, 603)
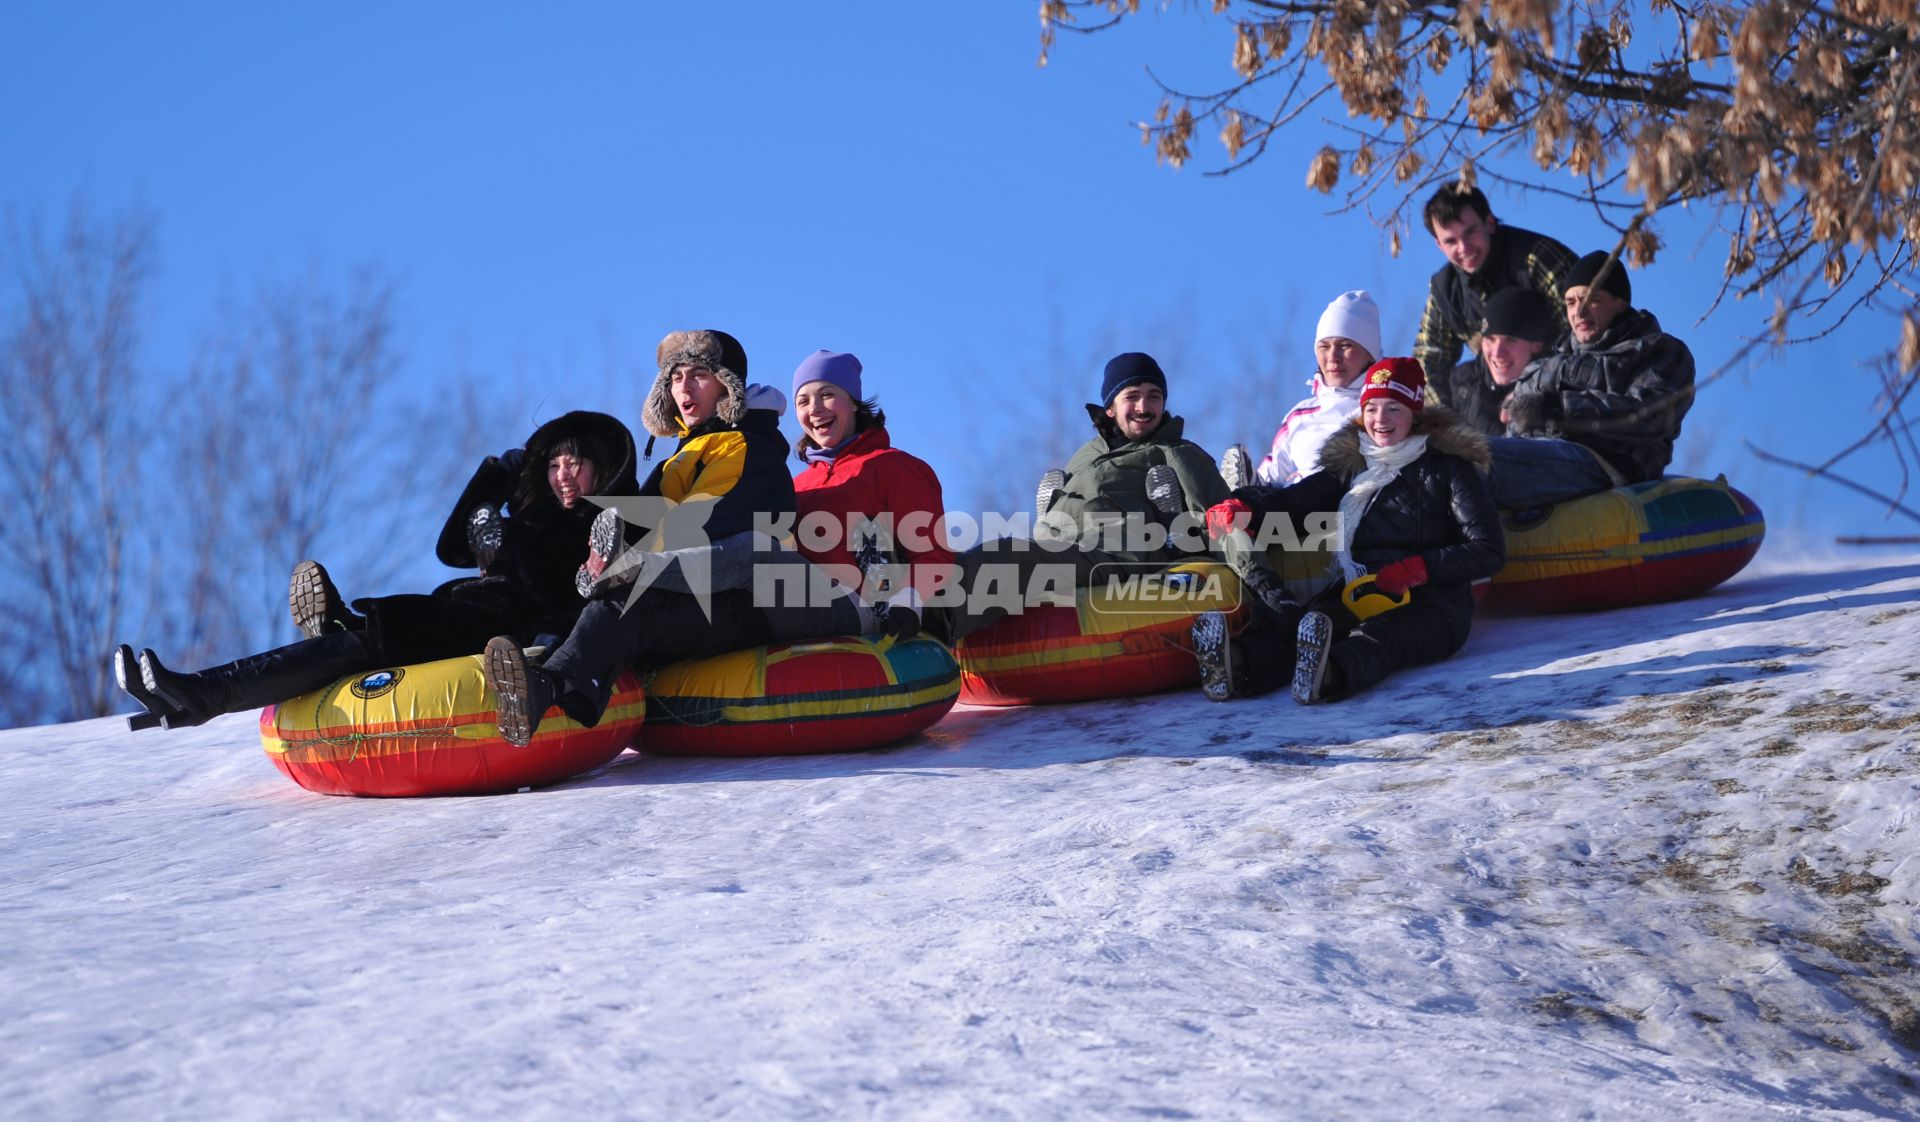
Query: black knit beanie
point(1588, 267)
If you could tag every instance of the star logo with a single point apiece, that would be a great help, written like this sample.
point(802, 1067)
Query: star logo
point(675, 543)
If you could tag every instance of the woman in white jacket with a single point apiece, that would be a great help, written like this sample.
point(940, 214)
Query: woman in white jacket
point(1346, 341)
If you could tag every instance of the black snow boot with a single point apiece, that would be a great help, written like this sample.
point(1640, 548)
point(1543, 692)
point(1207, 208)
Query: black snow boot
point(1052, 482)
point(1164, 490)
point(316, 605)
point(126, 671)
point(522, 692)
point(257, 680)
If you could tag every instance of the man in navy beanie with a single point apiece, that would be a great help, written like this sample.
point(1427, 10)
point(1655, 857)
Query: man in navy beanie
point(1137, 470)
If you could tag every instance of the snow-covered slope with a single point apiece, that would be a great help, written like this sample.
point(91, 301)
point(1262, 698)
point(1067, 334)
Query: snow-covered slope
point(1653, 864)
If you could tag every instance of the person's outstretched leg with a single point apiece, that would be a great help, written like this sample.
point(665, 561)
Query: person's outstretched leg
point(257, 680)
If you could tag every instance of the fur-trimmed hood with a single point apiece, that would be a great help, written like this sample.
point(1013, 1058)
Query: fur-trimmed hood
point(1445, 430)
point(715, 350)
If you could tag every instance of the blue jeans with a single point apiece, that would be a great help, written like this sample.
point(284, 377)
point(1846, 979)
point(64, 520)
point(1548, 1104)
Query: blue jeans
point(1530, 472)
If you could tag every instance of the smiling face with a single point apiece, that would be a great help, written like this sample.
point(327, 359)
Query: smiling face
point(1507, 356)
point(1386, 421)
point(570, 477)
point(696, 393)
point(1465, 241)
point(1340, 360)
point(1137, 410)
point(1590, 311)
point(826, 413)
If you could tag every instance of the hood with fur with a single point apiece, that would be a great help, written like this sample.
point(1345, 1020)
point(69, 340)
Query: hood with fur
point(1445, 430)
point(715, 350)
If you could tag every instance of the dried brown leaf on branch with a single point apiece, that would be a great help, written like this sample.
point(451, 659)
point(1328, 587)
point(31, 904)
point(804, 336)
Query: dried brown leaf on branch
point(1794, 125)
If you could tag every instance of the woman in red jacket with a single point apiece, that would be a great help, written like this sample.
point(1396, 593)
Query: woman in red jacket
point(856, 479)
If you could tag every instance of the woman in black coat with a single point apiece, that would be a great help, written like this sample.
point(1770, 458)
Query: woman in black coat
point(1416, 514)
point(528, 555)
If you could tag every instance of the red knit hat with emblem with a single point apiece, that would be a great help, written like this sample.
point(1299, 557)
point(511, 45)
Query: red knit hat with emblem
point(1396, 379)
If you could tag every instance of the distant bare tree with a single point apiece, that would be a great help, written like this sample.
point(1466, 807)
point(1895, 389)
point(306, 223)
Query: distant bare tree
point(168, 510)
point(74, 404)
point(290, 439)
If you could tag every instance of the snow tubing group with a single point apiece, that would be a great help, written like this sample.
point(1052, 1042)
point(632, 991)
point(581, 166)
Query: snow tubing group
point(429, 730)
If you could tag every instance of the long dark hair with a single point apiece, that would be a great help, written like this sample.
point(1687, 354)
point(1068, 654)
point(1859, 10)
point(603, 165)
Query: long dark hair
point(866, 415)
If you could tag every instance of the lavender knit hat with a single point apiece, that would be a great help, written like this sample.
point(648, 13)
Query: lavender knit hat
point(837, 368)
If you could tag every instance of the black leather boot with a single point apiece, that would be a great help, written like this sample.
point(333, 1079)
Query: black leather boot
point(257, 680)
point(126, 671)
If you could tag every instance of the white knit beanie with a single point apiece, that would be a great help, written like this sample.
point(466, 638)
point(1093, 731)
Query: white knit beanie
point(1352, 315)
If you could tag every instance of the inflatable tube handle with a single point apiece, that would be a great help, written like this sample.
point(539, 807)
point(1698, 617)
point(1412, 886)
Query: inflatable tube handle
point(1366, 601)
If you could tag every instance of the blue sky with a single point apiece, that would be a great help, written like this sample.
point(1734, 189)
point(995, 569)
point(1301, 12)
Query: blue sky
point(557, 187)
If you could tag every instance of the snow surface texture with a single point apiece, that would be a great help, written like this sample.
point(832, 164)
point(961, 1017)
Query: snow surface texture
point(1652, 864)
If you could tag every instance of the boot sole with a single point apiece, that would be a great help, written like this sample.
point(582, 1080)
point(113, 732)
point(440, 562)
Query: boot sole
point(1236, 468)
point(1213, 650)
point(1049, 490)
point(604, 540)
point(507, 674)
point(1164, 490)
point(312, 599)
point(1310, 666)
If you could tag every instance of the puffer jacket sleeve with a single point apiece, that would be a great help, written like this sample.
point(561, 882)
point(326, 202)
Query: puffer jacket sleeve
point(1482, 547)
point(1623, 394)
point(1316, 493)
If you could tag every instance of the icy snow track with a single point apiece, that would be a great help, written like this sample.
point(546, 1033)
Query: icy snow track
point(1653, 864)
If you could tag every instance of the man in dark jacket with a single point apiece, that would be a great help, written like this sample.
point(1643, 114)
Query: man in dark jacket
point(1601, 411)
point(1483, 257)
point(1518, 329)
point(1105, 509)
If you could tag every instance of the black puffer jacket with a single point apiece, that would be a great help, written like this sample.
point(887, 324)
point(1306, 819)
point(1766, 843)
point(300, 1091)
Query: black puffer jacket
point(1439, 507)
point(528, 589)
point(1622, 395)
point(1468, 390)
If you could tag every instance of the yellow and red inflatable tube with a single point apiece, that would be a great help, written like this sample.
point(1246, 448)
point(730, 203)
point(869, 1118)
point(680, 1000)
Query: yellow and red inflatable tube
point(832, 695)
point(1110, 642)
point(429, 730)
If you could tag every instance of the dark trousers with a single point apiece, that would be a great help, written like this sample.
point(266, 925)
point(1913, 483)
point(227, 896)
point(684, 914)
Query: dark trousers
point(1363, 652)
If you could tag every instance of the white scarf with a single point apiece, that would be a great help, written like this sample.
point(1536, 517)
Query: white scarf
point(1383, 467)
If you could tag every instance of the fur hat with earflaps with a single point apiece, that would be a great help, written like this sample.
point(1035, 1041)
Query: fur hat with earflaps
point(715, 350)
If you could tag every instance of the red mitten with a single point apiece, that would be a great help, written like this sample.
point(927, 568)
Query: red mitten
point(1397, 577)
point(1224, 518)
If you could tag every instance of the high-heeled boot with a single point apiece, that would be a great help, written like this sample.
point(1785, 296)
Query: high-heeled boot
point(257, 680)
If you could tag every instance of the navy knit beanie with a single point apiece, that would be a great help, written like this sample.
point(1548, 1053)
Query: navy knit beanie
point(1129, 369)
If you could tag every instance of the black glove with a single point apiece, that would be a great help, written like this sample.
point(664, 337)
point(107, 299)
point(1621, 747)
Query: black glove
point(900, 623)
point(1529, 414)
point(485, 530)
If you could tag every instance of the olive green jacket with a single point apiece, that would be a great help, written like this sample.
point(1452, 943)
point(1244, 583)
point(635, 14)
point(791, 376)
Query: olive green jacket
point(1107, 480)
